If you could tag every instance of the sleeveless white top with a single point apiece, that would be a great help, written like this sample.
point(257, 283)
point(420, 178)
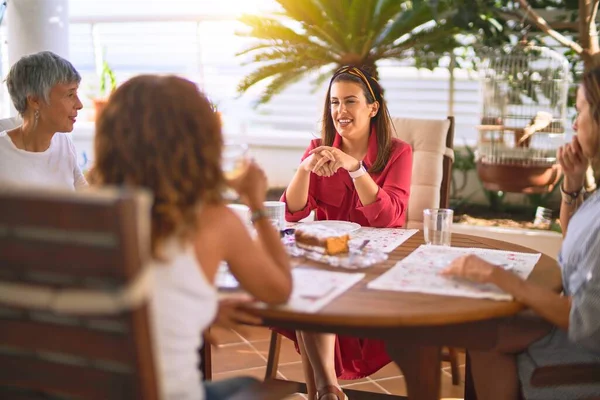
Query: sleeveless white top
point(183, 304)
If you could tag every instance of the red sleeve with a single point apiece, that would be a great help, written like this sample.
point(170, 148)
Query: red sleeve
point(311, 203)
point(389, 210)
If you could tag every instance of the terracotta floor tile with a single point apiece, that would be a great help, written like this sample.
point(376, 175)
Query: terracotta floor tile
point(394, 386)
point(292, 372)
point(254, 333)
point(397, 386)
point(225, 336)
point(461, 369)
point(389, 371)
point(345, 383)
point(449, 390)
point(258, 373)
point(235, 357)
point(287, 354)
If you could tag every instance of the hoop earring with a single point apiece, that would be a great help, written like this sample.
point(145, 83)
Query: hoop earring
point(36, 117)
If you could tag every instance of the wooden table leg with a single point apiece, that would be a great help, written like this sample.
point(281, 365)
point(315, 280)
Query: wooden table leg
point(421, 367)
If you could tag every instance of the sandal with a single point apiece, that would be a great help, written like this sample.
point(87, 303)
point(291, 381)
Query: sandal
point(330, 389)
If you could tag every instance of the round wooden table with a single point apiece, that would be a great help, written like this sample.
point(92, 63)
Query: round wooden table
point(415, 326)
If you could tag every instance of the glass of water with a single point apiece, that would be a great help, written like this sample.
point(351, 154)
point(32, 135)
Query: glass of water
point(437, 226)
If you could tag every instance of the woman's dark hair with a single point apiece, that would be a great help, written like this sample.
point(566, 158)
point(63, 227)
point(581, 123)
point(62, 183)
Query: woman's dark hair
point(381, 121)
point(591, 89)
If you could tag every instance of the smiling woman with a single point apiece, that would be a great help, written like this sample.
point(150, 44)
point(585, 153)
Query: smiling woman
point(356, 172)
point(43, 88)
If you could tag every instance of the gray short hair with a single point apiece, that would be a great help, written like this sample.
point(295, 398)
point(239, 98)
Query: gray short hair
point(35, 75)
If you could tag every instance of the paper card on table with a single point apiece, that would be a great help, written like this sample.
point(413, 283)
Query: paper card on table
point(381, 239)
point(314, 288)
point(420, 272)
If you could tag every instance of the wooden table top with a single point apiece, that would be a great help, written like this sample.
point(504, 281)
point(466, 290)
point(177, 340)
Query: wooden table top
point(360, 307)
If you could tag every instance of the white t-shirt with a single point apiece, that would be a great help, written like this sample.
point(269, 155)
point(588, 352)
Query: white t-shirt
point(54, 168)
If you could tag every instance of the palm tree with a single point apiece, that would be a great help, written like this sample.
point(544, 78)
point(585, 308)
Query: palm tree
point(318, 36)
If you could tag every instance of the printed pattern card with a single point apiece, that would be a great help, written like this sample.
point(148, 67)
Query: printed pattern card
point(420, 272)
point(384, 240)
point(314, 288)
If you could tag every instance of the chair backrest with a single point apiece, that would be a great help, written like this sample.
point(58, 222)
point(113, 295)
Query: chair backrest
point(64, 258)
point(9, 123)
point(432, 142)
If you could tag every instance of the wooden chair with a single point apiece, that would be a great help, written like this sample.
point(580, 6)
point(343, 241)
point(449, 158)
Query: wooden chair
point(64, 329)
point(73, 289)
point(432, 142)
point(551, 375)
point(566, 374)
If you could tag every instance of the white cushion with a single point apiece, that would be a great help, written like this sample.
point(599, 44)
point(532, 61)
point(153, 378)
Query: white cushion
point(427, 138)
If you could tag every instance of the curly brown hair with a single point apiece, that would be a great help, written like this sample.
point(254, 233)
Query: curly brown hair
point(160, 133)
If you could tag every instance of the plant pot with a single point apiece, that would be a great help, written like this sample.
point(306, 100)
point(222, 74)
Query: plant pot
point(99, 105)
point(518, 178)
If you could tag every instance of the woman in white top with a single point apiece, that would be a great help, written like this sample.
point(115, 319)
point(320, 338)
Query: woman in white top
point(43, 88)
point(160, 133)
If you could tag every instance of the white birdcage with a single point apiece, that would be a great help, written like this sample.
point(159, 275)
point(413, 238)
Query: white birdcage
point(523, 118)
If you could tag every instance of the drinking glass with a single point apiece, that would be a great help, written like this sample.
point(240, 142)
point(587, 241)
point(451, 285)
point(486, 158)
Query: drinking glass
point(234, 161)
point(437, 226)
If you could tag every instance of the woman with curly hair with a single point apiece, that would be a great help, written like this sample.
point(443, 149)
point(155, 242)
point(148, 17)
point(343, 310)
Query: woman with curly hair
point(160, 133)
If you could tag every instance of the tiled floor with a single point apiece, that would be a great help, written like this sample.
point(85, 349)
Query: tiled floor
point(246, 354)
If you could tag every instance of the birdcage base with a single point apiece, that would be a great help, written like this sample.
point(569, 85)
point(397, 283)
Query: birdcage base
point(519, 178)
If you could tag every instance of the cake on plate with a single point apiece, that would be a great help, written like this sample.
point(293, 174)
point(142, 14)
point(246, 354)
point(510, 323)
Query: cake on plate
point(321, 239)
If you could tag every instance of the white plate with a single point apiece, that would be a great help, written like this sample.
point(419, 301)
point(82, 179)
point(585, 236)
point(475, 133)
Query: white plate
point(340, 226)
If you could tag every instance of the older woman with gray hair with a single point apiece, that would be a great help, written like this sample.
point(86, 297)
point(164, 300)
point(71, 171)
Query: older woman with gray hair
point(43, 88)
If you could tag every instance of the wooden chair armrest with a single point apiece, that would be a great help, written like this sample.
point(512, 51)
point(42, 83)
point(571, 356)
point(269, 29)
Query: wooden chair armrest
point(268, 390)
point(566, 374)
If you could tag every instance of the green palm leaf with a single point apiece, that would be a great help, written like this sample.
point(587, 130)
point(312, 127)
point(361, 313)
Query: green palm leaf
point(314, 21)
point(313, 55)
point(281, 81)
point(273, 30)
point(313, 36)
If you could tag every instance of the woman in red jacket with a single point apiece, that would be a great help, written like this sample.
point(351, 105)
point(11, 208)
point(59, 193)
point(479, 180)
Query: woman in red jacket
point(356, 172)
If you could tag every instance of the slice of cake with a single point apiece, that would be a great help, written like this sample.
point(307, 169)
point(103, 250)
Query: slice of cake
point(321, 239)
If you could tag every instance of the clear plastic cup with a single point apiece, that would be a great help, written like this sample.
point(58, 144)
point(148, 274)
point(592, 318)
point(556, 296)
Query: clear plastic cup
point(437, 226)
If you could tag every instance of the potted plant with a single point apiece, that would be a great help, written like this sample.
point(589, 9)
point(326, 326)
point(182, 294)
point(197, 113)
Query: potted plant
point(107, 74)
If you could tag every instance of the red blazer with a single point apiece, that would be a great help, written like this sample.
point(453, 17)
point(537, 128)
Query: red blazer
point(335, 197)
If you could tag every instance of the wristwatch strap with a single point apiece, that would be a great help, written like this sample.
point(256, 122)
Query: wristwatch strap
point(258, 214)
point(570, 197)
point(359, 172)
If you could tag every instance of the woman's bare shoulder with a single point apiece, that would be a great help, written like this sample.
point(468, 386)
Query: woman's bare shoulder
point(213, 213)
point(217, 218)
